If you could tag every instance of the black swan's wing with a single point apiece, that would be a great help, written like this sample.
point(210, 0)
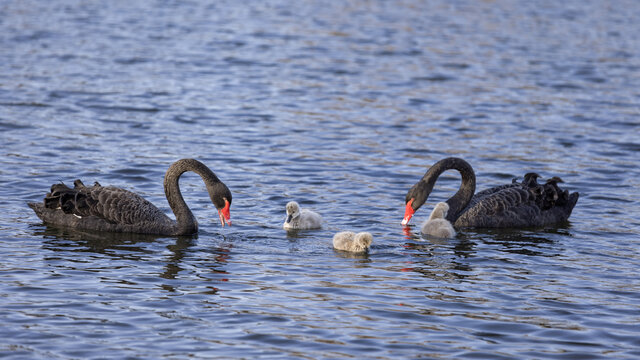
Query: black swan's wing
point(100, 208)
point(481, 195)
point(514, 205)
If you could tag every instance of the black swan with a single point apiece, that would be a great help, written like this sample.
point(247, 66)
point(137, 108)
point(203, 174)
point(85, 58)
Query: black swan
point(107, 208)
point(513, 205)
point(300, 219)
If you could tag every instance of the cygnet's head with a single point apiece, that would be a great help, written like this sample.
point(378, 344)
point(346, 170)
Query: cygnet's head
point(440, 211)
point(363, 240)
point(293, 211)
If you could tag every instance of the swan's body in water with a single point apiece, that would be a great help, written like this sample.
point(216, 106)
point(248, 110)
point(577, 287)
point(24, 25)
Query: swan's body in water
point(352, 242)
point(107, 208)
point(301, 219)
point(513, 205)
point(438, 225)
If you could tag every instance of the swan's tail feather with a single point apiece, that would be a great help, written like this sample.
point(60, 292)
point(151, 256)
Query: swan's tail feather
point(58, 197)
point(571, 202)
point(71, 201)
point(557, 201)
point(38, 208)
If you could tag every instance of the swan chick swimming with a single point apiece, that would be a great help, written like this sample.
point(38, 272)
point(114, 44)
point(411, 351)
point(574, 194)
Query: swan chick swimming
point(438, 225)
point(352, 242)
point(301, 219)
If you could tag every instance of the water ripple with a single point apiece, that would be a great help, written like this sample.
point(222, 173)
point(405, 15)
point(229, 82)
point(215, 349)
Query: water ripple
point(342, 108)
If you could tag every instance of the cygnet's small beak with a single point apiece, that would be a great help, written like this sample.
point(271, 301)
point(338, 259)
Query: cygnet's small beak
point(408, 213)
point(289, 217)
point(225, 213)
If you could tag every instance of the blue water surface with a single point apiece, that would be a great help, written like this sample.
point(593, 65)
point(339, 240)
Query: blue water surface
point(341, 106)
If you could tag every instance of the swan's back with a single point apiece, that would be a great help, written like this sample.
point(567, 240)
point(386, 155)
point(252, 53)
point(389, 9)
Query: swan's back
point(103, 208)
point(487, 193)
point(516, 205)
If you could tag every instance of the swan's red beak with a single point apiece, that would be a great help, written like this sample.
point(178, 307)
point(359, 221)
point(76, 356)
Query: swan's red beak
point(408, 213)
point(225, 213)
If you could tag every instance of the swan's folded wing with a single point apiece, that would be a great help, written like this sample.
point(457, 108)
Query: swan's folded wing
point(121, 206)
point(505, 206)
point(481, 195)
point(114, 205)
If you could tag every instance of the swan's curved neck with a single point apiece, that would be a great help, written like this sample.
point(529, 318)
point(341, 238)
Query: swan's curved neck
point(185, 221)
point(467, 188)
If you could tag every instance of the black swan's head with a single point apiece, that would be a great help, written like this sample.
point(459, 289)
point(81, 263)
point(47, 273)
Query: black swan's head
point(416, 197)
point(221, 197)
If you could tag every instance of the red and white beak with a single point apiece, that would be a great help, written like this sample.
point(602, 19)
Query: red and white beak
point(408, 213)
point(225, 213)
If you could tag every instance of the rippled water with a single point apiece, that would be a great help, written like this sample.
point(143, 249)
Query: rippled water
point(341, 106)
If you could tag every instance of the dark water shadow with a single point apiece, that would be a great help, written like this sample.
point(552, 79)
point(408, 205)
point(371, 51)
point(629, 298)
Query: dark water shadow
point(543, 241)
point(76, 246)
point(295, 234)
point(117, 246)
point(439, 258)
point(451, 259)
point(214, 259)
point(461, 244)
point(62, 239)
point(353, 255)
point(178, 252)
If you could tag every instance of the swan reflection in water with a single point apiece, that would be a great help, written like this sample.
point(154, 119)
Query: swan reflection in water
point(440, 258)
point(129, 247)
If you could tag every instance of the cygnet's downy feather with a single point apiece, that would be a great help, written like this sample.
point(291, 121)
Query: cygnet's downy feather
point(301, 219)
point(352, 242)
point(438, 225)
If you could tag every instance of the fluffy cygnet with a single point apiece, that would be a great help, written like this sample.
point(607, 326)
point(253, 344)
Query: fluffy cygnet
point(438, 225)
point(350, 241)
point(301, 218)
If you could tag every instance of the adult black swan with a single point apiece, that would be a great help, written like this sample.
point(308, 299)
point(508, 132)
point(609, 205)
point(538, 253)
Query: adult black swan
point(107, 208)
point(522, 204)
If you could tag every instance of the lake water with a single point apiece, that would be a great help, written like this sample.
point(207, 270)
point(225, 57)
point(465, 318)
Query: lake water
point(341, 106)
